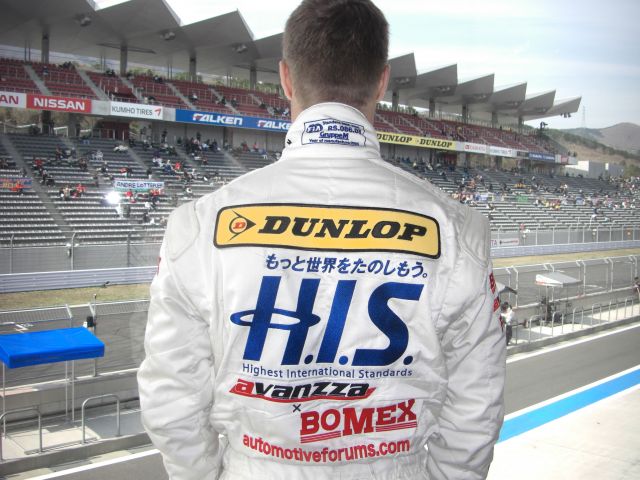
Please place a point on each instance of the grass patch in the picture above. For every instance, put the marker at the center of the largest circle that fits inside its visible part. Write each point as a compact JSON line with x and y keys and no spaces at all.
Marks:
{"x":73,"y":296}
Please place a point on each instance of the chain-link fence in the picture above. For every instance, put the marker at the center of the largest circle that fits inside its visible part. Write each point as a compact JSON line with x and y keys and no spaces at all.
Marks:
{"x":565,"y":235}
{"x":86,"y":257}
{"x":78,"y":257}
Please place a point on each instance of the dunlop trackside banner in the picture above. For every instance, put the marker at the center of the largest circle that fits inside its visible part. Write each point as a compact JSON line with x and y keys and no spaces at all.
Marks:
{"x":415,"y":141}
{"x":333,"y":228}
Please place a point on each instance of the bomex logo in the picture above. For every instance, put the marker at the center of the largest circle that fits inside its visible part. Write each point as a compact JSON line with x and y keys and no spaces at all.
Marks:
{"x":261,"y":320}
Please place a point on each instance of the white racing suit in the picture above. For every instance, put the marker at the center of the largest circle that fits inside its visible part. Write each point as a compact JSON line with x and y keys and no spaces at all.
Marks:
{"x":324,"y":317}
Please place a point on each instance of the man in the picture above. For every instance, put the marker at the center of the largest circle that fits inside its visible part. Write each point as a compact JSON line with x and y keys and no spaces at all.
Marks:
{"x":329,"y":315}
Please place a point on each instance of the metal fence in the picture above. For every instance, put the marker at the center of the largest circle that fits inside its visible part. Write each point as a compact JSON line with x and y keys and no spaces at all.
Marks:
{"x":122,"y":325}
{"x":77,"y":257}
{"x":595,"y":276}
{"x":566,"y":235}
{"x":86,"y":257}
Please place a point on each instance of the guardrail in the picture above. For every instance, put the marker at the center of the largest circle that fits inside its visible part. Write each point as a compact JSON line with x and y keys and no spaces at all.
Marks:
{"x":22,"y":282}
{"x":99,"y":397}
{"x":20,"y":410}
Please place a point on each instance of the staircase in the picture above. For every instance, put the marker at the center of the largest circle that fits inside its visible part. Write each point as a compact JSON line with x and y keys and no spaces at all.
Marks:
{"x":228,"y":104}
{"x":179,"y":94}
{"x":36,"y":79}
{"x":133,"y":88}
{"x":94,"y":88}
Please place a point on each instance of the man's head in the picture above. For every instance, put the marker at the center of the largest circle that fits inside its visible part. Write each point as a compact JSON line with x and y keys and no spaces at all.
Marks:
{"x":335,"y":51}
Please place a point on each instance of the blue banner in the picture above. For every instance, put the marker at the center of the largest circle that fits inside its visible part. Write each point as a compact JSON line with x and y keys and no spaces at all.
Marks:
{"x":236,"y":121}
{"x":544,"y":157}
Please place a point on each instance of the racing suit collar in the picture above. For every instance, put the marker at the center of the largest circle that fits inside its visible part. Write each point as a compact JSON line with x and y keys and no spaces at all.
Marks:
{"x":328,"y":128}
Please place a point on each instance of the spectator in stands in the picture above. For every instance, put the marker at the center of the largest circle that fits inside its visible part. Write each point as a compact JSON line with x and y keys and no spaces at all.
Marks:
{"x":193,"y":97}
{"x":82,"y":164}
{"x":157,"y":159}
{"x":214,"y":146}
{"x":163,"y":137}
{"x":222,"y":101}
{"x":98,"y":155}
{"x":58,"y":153}
{"x":149,"y":173}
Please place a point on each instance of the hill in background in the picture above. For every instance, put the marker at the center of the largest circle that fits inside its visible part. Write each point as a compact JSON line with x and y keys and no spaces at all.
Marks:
{"x":623,"y":136}
{"x":589,"y":144}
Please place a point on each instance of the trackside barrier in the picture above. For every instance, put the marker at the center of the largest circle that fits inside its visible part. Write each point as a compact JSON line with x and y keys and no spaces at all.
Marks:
{"x":24,"y":282}
{"x":20,"y":410}
{"x":99,"y":397}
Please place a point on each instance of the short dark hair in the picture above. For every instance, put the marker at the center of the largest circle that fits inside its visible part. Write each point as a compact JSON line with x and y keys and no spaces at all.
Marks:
{"x":336,"y":50}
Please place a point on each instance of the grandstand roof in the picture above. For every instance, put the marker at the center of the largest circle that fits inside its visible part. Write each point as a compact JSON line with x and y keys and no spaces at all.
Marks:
{"x":154,"y":35}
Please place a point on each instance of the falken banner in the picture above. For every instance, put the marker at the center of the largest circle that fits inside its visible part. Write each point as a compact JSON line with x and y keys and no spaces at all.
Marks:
{"x":236,"y":121}
{"x":415,"y":141}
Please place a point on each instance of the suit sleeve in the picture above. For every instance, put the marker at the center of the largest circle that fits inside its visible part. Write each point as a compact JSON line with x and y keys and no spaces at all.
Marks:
{"x":474,"y":350}
{"x":175,"y":380}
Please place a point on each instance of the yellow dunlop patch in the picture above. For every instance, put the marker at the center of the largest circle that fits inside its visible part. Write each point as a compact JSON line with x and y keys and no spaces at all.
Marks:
{"x":324,"y":228}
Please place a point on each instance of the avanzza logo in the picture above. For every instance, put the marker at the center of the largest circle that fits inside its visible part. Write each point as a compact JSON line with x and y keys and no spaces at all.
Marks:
{"x":327,"y":228}
{"x":302,"y":393}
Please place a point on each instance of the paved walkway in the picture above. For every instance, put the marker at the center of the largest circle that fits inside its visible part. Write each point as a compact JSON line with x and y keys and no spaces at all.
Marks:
{"x":600,"y":442}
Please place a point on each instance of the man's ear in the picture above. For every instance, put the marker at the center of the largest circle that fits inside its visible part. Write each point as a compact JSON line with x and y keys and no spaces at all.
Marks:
{"x":383,"y":83}
{"x":285,"y":79}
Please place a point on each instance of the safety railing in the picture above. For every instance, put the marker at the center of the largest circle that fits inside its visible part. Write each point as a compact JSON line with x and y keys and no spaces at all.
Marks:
{"x":537,"y":327}
{"x":100,"y":397}
{"x":20,"y":410}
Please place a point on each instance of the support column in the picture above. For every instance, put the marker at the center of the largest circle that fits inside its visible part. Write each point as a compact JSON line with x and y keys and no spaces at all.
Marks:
{"x":124,"y":54}
{"x":253,"y":77}
{"x":395,"y":100}
{"x":520,"y":124}
{"x":193,"y":75}
{"x":432,"y":107}
{"x":494,"y":119}
{"x":465,"y":113}
{"x":44,"y":56}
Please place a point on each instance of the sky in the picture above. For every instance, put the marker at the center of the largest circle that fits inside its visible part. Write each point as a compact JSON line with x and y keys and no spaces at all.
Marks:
{"x":588,"y":48}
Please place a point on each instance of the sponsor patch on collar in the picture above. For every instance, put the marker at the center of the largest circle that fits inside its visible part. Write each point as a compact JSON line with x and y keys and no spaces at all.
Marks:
{"x":328,"y":228}
{"x":334,"y":132}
